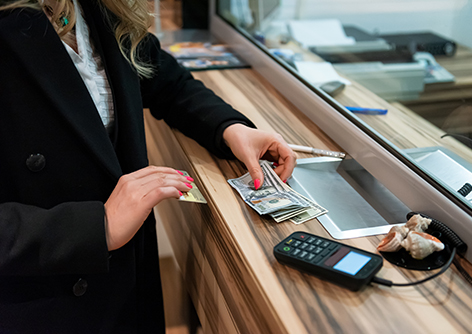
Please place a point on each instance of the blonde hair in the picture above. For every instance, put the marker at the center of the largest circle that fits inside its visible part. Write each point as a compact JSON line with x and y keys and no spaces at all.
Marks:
{"x":131,"y":27}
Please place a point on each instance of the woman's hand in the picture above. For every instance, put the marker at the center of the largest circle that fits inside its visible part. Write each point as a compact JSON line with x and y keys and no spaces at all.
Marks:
{"x":250,"y":145}
{"x":134,"y":197}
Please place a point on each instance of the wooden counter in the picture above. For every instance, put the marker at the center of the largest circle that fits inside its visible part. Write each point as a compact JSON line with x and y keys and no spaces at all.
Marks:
{"x":224,"y":249}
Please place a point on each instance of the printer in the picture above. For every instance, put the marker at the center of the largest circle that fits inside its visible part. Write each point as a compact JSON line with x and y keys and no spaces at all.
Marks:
{"x":390,"y":70}
{"x":393,"y":74}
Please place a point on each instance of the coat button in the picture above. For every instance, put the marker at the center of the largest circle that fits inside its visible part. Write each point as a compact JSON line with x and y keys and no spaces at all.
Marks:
{"x":80,"y":287}
{"x":36,"y":162}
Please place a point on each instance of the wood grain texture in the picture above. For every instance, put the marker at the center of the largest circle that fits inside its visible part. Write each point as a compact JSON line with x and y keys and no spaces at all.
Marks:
{"x":224,"y":249}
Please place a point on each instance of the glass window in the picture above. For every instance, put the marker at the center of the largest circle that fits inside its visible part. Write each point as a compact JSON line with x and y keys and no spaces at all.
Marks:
{"x":401,"y":70}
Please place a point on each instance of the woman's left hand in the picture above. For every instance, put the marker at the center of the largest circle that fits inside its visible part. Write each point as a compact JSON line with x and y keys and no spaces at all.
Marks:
{"x":250,"y":145}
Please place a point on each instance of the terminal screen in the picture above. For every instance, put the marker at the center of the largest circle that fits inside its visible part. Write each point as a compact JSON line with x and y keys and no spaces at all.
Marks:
{"x":352,"y":263}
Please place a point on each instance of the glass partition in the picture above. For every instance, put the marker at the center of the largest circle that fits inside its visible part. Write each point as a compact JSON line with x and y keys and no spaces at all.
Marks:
{"x":400,"y":70}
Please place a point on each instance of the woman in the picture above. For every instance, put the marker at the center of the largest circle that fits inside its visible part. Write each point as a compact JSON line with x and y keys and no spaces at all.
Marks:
{"x":78,"y":249}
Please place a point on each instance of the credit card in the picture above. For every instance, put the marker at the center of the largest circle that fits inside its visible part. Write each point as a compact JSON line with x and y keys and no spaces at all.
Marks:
{"x":193,"y":195}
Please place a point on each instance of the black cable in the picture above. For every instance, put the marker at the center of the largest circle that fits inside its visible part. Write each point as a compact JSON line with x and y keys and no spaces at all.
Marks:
{"x":463,"y":139}
{"x":385,"y":282}
{"x":461,"y":270}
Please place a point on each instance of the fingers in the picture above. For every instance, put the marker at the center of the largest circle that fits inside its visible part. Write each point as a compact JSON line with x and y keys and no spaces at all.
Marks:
{"x":255,"y":171}
{"x":150,"y":185}
{"x":134,"y":197}
{"x":249,"y":145}
{"x":289,"y":159}
{"x":153,"y":173}
{"x":153,"y":170}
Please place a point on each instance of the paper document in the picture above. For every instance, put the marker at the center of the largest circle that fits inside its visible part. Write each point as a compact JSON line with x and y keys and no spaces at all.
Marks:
{"x":319,"y":73}
{"x":319,"y":33}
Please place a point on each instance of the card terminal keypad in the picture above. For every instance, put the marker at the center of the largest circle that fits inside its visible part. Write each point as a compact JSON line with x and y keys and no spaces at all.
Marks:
{"x":309,"y":248}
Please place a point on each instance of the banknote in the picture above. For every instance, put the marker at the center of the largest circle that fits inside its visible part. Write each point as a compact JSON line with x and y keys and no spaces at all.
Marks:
{"x":309,"y":208}
{"x":275,"y":197}
{"x":286,"y":214}
{"x":267,"y":199}
{"x":193,"y":195}
{"x":306,"y":215}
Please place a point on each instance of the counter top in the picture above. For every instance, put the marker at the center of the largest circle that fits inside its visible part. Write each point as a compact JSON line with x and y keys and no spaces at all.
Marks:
{"x":224,"y":248}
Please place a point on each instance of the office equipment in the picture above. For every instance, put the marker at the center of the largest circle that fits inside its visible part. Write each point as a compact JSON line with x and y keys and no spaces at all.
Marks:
{"x":364,"y":42}
{"x":434,"y":73}
{"x":392,"y":81}
{"x":391,"y":74}
{"x":319,"y":73}
{"x":383,"y":56}
{"x":347,"y":266}
{"x":319,"y":33}
{"x":422,"y":41}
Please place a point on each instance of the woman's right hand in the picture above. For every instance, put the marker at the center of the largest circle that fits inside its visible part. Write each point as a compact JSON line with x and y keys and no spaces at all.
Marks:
{"x":133,"y":198}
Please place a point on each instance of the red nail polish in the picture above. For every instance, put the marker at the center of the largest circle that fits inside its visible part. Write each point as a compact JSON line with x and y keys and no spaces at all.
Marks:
{"x":275,"y":164}
{"x":285,"y":181}
{"x":189,"y":185}
{"x":178,"y":171}
{"x":189,"y":178}
{"x":257,"y":183}
{"x":180,"y":193}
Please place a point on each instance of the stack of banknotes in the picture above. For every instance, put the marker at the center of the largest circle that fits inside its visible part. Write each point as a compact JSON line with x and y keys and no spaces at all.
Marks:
{"x":275,"y":198}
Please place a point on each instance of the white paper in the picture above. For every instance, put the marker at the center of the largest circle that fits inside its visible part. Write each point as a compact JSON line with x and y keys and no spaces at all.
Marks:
{"x":319,"y":73}
{"x":319,"y":33}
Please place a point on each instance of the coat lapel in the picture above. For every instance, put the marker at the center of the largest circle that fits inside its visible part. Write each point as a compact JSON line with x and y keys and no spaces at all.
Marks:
{"x":39,"y":47}
{"x":129,"y":138}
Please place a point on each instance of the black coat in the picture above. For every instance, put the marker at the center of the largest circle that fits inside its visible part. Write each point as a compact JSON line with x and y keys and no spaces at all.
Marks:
{"x":58,"y":166}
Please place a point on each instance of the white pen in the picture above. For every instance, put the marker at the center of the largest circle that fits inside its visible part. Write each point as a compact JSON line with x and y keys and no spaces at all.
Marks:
{"x":307,"y":149}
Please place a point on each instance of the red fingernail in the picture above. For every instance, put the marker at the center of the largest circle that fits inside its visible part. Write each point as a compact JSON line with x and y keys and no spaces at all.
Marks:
{"x":257,"y":183}
{"x":285,"y":181}
{"x":189,"y":185}
{"x":180,"y":193}
{"x":275,"y":164}
{"x":178,"y":171}
{"x":189,"y":178}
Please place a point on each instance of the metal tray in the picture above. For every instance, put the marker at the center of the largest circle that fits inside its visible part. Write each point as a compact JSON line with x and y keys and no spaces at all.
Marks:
{"x":358,"y":204}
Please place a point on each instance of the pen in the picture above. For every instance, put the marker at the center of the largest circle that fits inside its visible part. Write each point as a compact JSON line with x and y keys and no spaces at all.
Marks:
{"x":366,"y":111}
{"x":307,"y":149}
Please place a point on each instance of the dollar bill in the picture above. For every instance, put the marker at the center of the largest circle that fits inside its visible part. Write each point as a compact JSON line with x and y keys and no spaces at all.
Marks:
{"x":264,"y":200}
{"x":275,"y":197}
{"x":306,"y":216}
{"x":310,"y":209}
{"x":287,"y":214}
